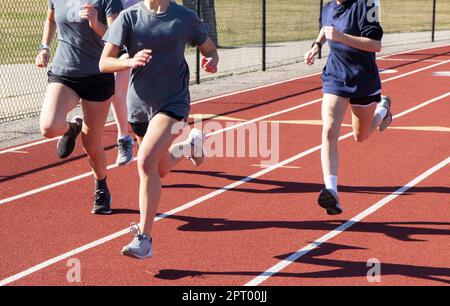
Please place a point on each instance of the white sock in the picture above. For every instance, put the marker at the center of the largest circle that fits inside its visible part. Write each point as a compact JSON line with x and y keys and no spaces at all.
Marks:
{"x":331,"y":182}
{"x":380,"y":113}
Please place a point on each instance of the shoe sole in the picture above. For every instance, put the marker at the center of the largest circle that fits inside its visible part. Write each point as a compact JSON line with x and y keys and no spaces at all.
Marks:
{"x":197,"y":161}
{"x":103,"y":212}
{"x":131,"y":254}
{"x":386,"y":122}
{"x":329,"y":203}
{"x":126,"y":163}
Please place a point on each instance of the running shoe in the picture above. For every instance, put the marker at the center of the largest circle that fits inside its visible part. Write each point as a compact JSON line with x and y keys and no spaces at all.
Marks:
{"x":387,"y":120}
{"x":125,"y":150}
{"x":102,"y":202}
{"x":196,"y":138}
{"x":141,"y":247}
{"x":330,"y":201}
{"x":66,"y":144}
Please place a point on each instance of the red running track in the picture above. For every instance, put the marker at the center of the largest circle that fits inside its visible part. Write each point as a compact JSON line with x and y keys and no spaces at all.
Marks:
{"x":231,"y":237}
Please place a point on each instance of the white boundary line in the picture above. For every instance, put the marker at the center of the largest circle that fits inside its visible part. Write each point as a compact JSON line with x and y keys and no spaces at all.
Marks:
{"x":87,"y":174}
{"x":221,"y":96}
{"x":414,"y":50}
{"x":410,"y":60}
{"x":31,"y":144}
{"x":47,"y":187}
{"x":190,"y":204}
{"x":442,"y":74}
{"x":305,"y":250}
{"x":255,"y":88}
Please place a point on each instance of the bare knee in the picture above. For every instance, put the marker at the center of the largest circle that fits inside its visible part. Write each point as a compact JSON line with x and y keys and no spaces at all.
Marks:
{"x":51,"y":130}
{"x":359,"y":136}
{"x":147,"y":164}
{"x":163,"y":172}
{"x":91,"y":143}
{"x":330,"y":133}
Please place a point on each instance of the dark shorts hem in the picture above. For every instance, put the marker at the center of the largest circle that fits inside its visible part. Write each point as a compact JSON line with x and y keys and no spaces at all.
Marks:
{"x":365,"y":101}
{"x":96,"y":88}
{"x":140,"y":128}
{"x":362,"y":101}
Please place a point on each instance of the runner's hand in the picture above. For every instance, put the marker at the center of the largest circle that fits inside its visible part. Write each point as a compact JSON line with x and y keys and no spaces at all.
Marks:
{"x":332,"y":34}
{"x":140,"y":59}
{"x":209,"y":64}
{"x":43,"y":58}
{"x":90,"y":13}
{"x":310,"y":55}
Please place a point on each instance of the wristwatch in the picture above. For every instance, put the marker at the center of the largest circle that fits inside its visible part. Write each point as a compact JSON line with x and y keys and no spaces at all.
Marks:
{"x":318,"y":44}
{"x":43,"y":46}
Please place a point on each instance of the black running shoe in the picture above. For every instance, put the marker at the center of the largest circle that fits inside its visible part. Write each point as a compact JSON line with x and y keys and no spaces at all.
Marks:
{"x":329,"y":201}
{"x":66,"y":143}
{"x":102,"y":202}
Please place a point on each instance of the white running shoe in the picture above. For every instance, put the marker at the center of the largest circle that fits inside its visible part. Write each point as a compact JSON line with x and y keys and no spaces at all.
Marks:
{"x":387,"y":120}
{"x":196,"y":139}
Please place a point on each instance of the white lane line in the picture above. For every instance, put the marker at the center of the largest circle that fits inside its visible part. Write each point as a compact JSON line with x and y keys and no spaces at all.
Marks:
{"x":221,"y":96}
{"x":372,"y":209}
{"x":410,"y":60}
{"x":181,"y":208}
{"x":12,"y":149}
{"x":414,"y":50}
{"x":87,"y":174}
{"x":416,"y":71}
{"x":37,"y":190}
{"x":255,"y":88}
{"x":442,"y":73}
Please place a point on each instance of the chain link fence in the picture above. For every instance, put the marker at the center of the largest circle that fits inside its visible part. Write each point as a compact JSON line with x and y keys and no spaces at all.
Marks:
{"x":252,"y":35}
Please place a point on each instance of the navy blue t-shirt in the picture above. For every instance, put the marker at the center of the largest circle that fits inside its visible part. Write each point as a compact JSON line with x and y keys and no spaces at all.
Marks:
{"x":350,"y":72}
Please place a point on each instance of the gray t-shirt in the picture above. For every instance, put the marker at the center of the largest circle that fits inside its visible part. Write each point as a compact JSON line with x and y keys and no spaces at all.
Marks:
{"x":163,"y":84}
{"x":79,"y":46}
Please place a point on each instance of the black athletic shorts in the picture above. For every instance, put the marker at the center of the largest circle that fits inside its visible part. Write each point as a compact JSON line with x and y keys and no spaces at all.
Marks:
{"x":140,"y":128}
{"x":97,"y":88}
{"x":365,"y":101}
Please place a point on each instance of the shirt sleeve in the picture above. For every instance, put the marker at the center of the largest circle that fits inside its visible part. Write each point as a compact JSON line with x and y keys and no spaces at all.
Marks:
{"x":51,"y":5}
{"x":369,"y":23}
{"x":199,"y":32}
{"x":113,"y":7}
{"x":117,"y":34}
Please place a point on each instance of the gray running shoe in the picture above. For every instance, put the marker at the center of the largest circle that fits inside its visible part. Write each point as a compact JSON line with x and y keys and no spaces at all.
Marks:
{"x":141,"y":246}
{"x":125,"y":150}
{"x":196,"y":138}
{"x":66,"y":144}
{"x":387,"y":120}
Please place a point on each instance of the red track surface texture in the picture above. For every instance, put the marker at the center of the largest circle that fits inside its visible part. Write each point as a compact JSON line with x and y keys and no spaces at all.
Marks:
{"x":231,"y":235}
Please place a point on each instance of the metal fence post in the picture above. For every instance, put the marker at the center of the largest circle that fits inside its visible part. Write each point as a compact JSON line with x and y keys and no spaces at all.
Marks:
{"x":197,"y":71}
{"x":433,"y":27}
{"x":264,"y":34}
{"x":320,"y":25}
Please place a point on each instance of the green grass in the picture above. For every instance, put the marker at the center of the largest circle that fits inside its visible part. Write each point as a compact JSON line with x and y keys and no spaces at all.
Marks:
{"x":238,"y":22}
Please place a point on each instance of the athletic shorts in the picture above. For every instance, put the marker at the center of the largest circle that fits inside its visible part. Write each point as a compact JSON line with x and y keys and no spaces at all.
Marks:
{"x":365,"y":101}
{"x":140,"y":128}
{"x":97,"y":88}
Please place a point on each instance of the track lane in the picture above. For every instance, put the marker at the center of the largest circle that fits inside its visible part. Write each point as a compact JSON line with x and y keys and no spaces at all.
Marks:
{"x":238,"y":166}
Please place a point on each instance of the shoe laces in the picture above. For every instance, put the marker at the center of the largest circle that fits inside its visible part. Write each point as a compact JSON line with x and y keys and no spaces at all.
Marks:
{"x":99,"y":195}
{"x":135,"y":230}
